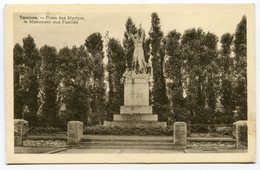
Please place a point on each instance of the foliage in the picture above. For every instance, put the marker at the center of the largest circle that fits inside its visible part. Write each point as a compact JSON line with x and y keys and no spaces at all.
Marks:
{"x":212,"y":85}
{"x":49,"y":84}
{"x":43,"y":130}
{"x":26,"y":79}
{"x":240,"y":51}
{"x":73,"y":91}
{"x":77,"y":104}
{"x":116,"y":67}
{"x":19,"y":90}
{"x":94,"y":44}
{"x":142,"y":131}
{"x":32,"y":62}
{"x":160,"y":100}
{"x":173,"y":72}
{"x":128,"y":43}
{"x":227,"y":78}
{"x":199,"y":50}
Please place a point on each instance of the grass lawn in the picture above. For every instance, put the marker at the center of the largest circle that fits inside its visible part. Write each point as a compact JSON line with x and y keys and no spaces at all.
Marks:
{"x":29,"y":150}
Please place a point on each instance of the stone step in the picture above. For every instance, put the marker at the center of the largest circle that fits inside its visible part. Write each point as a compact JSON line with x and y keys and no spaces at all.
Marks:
{"x":125,"y":142}
{"x":123,"y":147}
{"x":135,"y":117}
{"x":127,"y":138}
{"x":145,"y":109}
{"x":133,"y":124}
{"x":114,"y":138}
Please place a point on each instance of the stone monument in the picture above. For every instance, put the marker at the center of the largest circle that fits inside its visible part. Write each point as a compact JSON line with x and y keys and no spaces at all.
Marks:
{"x":136,"y":111}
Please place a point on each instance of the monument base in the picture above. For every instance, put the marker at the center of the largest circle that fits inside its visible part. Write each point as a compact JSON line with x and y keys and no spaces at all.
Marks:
{"x":136,"y":109}
{"x":135,"y":117}
{"x":135,"y":124}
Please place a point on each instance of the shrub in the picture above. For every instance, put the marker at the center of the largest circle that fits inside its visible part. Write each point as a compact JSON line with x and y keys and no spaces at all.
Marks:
{"x":141,"y":131}
{"x":46,"y":130}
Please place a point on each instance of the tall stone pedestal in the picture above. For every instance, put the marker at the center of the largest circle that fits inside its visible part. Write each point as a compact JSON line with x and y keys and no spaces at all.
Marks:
{"x":136,"y":111}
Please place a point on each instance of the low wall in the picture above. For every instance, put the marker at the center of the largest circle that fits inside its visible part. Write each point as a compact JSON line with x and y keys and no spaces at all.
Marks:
{"x":212,"y":145}
{"x":45,"y":141}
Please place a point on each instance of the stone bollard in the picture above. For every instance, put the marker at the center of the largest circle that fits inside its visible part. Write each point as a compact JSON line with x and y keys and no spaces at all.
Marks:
{"x":20,"y":131}
{"x":75,"y":132}
{"x":180,"y":134}
{"x":240,"y":132}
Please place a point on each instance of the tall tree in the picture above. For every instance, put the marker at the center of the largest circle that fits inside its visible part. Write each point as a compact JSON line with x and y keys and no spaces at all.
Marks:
{"x":198,"y":50}
{"x":49,"y":84}
{"x":160,"y":101}
{"x":66,"y":88}
{"x":19,"y":89}
{"x":173,"y":72}
{"x":212,"y":80}
{"x":227,"y":78}
{"x":240,"y":50}
{"x":128,"y":43}
{"x":83,"y":85}
{"x":116,"y":67}
{"x":73,"y":91}
{"x":32,"y":63}
{"x":94,"y":44}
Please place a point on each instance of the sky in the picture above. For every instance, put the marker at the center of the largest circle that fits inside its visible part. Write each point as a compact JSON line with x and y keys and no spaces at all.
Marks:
{"x":215,"y":19}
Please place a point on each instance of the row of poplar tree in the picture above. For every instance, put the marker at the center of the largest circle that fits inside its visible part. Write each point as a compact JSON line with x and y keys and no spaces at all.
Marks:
{"x":194,"y":80}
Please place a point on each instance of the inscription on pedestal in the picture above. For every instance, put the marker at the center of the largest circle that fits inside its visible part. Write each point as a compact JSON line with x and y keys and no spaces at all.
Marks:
{"x":136,"y":95}
{"x":136,"y":92}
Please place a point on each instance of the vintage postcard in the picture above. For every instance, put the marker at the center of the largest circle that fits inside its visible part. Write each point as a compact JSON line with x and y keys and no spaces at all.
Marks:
{"x":147,"y":83}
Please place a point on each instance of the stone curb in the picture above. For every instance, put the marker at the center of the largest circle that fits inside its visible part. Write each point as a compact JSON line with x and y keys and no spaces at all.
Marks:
{"x":56,"y":151}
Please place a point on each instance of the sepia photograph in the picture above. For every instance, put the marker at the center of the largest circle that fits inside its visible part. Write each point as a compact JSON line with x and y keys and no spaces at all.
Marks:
{"x":130,"y":83}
